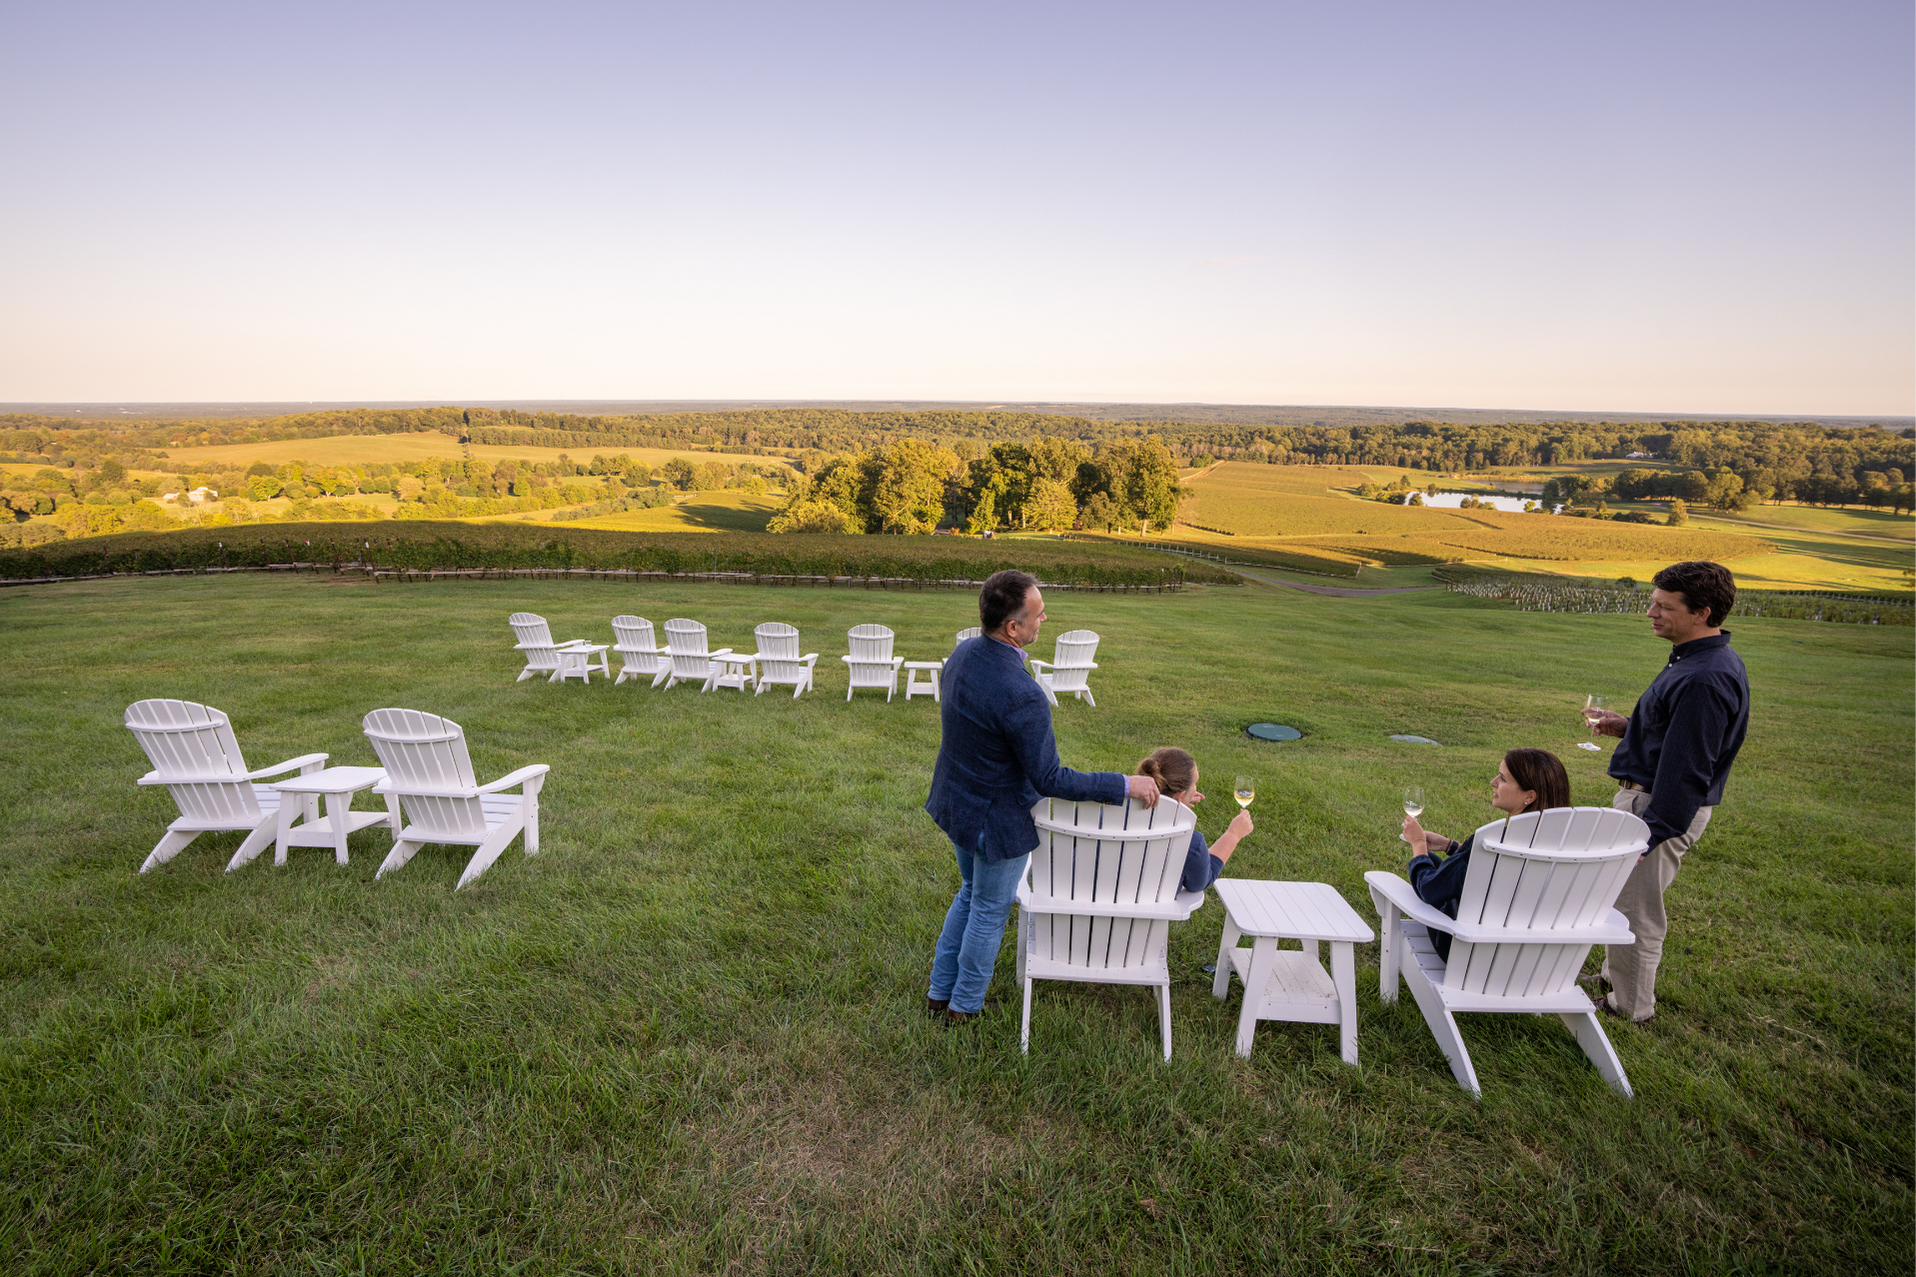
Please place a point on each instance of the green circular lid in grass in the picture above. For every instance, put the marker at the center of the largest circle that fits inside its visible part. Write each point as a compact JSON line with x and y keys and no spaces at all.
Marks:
{"x":1272,"y":731}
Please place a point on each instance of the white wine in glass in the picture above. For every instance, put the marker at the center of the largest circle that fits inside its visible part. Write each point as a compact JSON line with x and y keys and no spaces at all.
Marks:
{"x":1244,"y":791}
{"x":1592,"y":709}
{"x":1413,"y":805}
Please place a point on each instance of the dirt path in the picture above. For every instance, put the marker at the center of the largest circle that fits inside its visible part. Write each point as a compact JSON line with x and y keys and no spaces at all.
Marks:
{"x":1336,"y":591}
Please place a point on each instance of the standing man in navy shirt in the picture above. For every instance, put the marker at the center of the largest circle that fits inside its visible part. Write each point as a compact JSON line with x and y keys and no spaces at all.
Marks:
{"x":997,"y":758}
{"x":1676,"y":753}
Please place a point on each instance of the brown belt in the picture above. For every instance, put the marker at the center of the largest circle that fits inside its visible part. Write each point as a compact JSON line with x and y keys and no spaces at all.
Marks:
{"x":1631,"y":784}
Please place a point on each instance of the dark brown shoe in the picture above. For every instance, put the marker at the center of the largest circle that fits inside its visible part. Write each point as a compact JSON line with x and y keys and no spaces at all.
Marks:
{"x":953,"y":1018}
{"x":1603,"y":1005}
{"x":936,"y":1006}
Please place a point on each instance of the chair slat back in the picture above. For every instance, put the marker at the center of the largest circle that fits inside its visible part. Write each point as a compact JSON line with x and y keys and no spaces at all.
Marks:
{"x":684,"y":638}
{"x":193,"y":750}
{"x":1075,"y":647}
{"x":1540,"y":872}
{"x":686,"y":647}
{"x":971,"y":633}
{"x":186,"y":739}
{"x":425,"y":757}
{"x":534,"y":639}
{"x":1099,"y":853}
{"x":869,"y":642}
{"x":634,"y":634}
{"x":777,"y":641}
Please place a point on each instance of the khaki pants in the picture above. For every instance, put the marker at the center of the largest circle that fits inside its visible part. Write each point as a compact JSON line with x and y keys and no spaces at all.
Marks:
{"x":1632,"y":969}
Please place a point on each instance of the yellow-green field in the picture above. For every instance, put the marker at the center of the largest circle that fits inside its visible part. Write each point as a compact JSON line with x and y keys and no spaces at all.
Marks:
{"x":1282,"y":504}
{"x":339,"y":450}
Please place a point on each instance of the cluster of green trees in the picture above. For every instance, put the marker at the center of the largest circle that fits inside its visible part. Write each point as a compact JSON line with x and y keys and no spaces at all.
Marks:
{"x":1725,"y":489}
{"x":1049,"y":485}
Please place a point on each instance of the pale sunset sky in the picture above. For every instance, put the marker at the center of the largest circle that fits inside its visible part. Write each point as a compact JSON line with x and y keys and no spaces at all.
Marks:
{"x":1659,"y":207}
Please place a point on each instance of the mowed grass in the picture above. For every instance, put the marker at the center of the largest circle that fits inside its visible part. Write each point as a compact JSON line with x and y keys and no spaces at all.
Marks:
{"x":686,"y":1038}
{"x":339,"y":450}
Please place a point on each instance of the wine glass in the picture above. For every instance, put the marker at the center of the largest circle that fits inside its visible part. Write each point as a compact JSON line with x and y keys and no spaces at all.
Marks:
{"x":1592,"y":708}
{"x":1244,"y":790}
{"x":1413,"y":805}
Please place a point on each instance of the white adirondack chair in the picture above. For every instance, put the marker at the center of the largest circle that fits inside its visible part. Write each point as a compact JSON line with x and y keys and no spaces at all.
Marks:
{"x":641,"y":652}
{"x":691,"y":662}
{"x":194,"y":754}
{"x":779,"y":661}
{"x":1069,"y":667}
{"x":1537,"y":894}
{"x":1099,"y":897}
{"x":429,"y":782}
{"x":973,"y":632}
{"x":870,"y":662}
{"x":570,"y":659}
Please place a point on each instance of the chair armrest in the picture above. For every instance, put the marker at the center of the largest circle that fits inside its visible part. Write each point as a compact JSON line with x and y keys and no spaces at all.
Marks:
{"x":1178,"y":910}
{"x":305,"y":763}
{"x":723,"y":651}
{"x":1613,"y":928}
{"x":810,"y":658}
{"x":520,"y":777}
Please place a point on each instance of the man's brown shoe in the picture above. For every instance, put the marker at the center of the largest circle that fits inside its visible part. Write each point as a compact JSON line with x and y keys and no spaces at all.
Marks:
{"x":936,"y":1006}
{"x":1603,"y":1005}
{"x":953,"y":1018}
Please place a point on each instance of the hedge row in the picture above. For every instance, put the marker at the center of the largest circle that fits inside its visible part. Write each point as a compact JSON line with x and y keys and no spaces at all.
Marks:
{"x":425,"y":545}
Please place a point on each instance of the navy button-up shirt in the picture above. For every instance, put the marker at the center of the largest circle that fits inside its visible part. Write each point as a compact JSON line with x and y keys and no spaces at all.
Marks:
{"x":1685,"y":732}
{"x":998,"y":757}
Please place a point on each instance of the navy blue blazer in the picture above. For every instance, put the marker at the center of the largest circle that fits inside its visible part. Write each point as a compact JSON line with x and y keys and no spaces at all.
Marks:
{"x":998,"y":757}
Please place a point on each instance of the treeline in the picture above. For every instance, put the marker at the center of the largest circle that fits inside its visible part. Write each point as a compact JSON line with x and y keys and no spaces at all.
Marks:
{"x":1730,"y":489}
{"x":1050,"y":485}
{"x":813,"y":436}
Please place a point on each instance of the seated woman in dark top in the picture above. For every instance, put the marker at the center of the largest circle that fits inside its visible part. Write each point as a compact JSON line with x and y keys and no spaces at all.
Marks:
{"x":1176,"y":773}
{"x":1526,"y":780}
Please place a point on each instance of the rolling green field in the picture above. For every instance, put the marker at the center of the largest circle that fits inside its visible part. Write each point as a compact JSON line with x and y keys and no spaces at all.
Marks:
{"x":686,"y":1038}
{"x":1273,"y":508}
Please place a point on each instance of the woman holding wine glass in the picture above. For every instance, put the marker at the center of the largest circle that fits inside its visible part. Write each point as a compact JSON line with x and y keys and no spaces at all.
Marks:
{"x":1176,"y":773}
{"x":1526,"y":780}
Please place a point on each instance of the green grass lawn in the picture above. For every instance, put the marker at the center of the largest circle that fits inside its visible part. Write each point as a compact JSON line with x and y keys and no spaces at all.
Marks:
{"x":687,"y":1037}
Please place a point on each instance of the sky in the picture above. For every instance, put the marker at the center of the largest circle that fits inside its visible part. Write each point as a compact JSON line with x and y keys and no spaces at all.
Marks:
{"x":1659,"y":207}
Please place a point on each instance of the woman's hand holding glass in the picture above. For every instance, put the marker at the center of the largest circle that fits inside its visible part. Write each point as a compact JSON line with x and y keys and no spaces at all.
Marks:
{"x":1419,"y":839}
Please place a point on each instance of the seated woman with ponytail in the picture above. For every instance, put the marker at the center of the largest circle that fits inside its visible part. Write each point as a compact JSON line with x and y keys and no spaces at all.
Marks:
{"x":1526,"y":780}
{"x":1176,"y":773}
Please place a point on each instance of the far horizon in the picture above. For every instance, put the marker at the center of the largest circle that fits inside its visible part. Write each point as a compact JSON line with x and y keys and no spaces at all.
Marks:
{"x":1109,"y":410}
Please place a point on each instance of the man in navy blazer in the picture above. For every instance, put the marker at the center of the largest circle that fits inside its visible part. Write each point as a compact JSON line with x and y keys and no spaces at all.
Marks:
{"x":997,"y":758}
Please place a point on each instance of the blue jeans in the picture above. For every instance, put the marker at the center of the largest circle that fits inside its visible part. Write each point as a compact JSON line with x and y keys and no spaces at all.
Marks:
{"x":974,"y":928}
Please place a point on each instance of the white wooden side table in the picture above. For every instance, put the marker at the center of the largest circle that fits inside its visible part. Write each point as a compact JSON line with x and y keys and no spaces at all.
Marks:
{"x":575,"y":661}
{"x":733,"y":669}
{"x":915,"y":688}
{"x":1290,"y":984}
{"x":336,"y":785}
